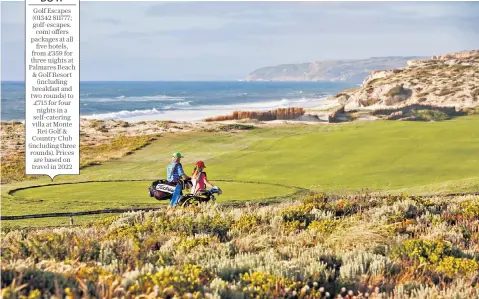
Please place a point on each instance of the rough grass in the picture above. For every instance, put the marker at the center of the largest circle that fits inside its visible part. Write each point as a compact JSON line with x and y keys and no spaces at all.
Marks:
{"x":315,"y":246}
{"x":99,"y":125}
{"x":460,"y":67}
{"x":117,"y":148}
{"x":13,"y":166}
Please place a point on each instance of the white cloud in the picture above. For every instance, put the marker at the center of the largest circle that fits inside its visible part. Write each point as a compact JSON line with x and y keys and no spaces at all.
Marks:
{"x":226,"y":40}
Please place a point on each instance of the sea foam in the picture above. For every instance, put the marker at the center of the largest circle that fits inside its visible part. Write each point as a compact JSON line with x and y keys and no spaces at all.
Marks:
{"x":123,"y":98}
{"x":123,"y":114}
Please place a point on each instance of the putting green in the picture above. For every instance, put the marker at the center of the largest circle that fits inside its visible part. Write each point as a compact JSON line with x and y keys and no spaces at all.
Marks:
{"x":106,"y":195}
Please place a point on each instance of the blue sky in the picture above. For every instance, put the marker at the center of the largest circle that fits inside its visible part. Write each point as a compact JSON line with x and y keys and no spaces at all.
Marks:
{"x":227,"y":40}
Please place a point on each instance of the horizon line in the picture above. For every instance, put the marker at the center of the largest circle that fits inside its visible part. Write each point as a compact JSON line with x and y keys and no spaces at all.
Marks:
{"x":189,"y":81}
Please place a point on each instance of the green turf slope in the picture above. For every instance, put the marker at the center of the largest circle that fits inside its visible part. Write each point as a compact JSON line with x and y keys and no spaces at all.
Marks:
{"x":399,"y":156}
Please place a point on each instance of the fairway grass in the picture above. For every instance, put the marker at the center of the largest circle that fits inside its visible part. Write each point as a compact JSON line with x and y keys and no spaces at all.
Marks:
{"x":387,"y":156}
{"x":110,"y":195}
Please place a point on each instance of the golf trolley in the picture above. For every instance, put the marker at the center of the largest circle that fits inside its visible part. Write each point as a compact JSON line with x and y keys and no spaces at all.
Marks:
{"x":164,"y":190}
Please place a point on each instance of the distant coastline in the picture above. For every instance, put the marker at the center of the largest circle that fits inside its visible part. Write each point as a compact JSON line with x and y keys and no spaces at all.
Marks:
{"x":342,"y":70}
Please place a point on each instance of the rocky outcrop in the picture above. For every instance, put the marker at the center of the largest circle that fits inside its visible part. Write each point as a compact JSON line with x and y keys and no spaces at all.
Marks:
{"x":331,"y":70}
{"x":337,"y":115}
{"x":378,"y":75}
{"x":395,"y":115}
{"x":446,"y":80}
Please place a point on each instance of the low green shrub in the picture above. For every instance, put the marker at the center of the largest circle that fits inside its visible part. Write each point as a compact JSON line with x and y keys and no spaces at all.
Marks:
{"x":232,"y":127}
{"x":429,"y":115}
{"x":422,"y":251}
{"x":470,"y":209}
{"x":185,"y":245}
{"x":173,"y":282}
{"x":434,"y":258}
{"x":325,"y":226}
{"x":263,"y":285}
{"x":246,"y":223}
{"x":452,"y":266}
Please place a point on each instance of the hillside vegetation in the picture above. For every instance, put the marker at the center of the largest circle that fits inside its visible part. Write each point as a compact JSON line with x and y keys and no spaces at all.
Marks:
{"x":315,"y":246}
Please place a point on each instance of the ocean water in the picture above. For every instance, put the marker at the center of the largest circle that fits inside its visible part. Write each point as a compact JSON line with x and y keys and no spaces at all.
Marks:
{"x":134,"y":101}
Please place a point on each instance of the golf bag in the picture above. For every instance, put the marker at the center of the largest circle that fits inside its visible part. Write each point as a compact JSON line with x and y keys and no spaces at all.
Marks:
{"x":163,"y":190}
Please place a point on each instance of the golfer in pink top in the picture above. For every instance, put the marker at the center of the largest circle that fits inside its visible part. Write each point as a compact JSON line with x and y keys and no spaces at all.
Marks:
{"x":198,"y":178}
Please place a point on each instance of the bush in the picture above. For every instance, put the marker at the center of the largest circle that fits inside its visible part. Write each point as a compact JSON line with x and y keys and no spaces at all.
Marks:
{"x":318,"y":199}
{"x":397,"y":94}
{"x":246,"y":223}
{"x":429,"y":115}
{"x":424,"y":251}
{"x":13,"y":169}
{"x":170,"y":282}
{"x":301,"y":213}
{"x":452,"y":266}
{"x":326,"y":226}
{"x":99,"y":125}
{"x":470,"y":209}
{"x":396,"y":90}
{"x":421,"y":100}
{"x":190,"y":252}
{"x":186,"y":245}
{"x":232,"y":127}
{"x":263,"y":285}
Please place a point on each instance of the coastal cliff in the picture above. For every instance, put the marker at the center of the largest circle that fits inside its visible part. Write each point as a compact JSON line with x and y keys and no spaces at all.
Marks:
{"x":450,"y":80}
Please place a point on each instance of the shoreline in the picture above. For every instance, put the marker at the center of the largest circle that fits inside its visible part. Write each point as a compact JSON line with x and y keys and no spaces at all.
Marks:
{"x":200,"y":114}
{"x":191,"y":115}
{"x":195,"y":112}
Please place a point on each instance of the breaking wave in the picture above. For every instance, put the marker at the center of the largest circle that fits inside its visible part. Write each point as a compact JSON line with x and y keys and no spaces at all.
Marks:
{"x":186,"y":107}
{"x":123,"y":114}
{"x":123,"y":98}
